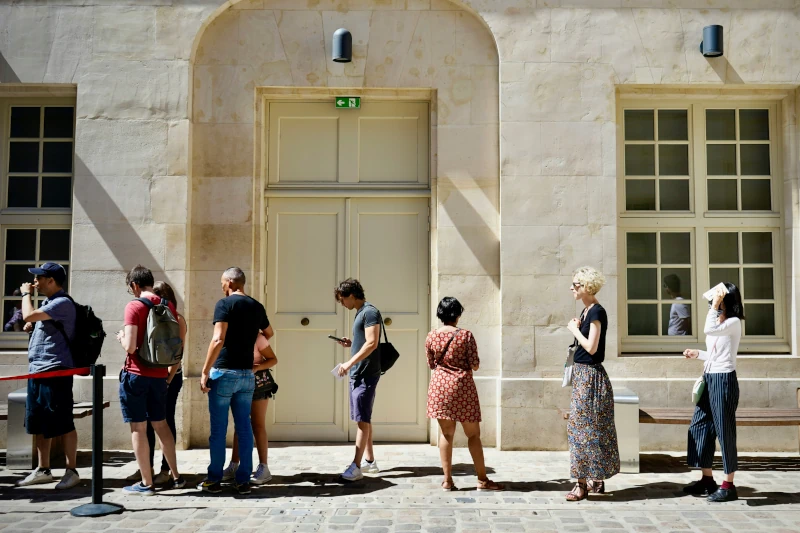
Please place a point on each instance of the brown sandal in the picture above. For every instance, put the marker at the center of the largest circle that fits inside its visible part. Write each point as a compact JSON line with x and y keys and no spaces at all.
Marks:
{"x":448,"y":487}
{"x":575,"y":495}
{"x":596,"y":486}
{"x":488,"y":484}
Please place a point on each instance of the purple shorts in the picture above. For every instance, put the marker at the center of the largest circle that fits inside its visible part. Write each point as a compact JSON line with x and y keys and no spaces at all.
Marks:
{"x":362,"y":398}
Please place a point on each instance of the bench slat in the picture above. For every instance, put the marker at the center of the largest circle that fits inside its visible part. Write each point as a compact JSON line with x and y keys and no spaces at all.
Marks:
{"x":79,"y":410}
{"x":744,"y":417}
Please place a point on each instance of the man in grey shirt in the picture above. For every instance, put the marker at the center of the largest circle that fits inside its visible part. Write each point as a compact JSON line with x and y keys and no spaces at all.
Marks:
{"x":364,"y":367}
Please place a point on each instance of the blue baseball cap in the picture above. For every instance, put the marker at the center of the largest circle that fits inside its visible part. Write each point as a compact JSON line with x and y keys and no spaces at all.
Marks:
{"x":51,"y":270}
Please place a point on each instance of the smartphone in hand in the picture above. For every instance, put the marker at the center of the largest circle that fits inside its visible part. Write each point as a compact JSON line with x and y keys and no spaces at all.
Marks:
{"x":334,"y":337}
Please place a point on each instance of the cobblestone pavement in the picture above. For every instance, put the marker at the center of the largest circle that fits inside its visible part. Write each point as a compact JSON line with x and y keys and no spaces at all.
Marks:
{"x":305,"y":495}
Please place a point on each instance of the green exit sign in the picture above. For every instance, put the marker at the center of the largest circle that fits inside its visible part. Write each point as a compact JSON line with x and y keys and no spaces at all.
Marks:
{"x":348,"y":102}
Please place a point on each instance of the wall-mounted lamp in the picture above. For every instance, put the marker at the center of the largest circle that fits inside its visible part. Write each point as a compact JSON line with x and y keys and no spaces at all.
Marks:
{"x":711,"y":45}
{"x":342,"y":46}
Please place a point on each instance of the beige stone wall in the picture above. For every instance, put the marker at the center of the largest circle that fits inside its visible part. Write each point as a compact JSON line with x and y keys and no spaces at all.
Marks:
{"x":524,"y":154}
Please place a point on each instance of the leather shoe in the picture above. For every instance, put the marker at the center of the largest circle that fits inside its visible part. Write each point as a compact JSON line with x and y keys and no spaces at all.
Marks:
{"x":701,"y":488}
{"x":724,"y":495}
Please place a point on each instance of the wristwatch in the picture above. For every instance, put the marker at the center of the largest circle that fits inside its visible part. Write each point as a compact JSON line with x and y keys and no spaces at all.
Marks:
{"x":25,"y":294}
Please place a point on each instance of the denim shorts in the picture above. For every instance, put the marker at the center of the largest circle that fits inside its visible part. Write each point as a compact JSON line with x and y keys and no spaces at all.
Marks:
{"x":362,"y":398}
{"x":48,"y":407}
{"x":142,"y":398}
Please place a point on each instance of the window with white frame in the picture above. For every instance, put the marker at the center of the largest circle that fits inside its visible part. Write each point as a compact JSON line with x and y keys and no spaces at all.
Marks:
{"x":699,"y":201}
{"x":36,"y":158}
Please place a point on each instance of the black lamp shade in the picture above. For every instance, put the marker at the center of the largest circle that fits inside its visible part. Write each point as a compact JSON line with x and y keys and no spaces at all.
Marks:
{"x":711,"y":45}
{"x":342,"y":46}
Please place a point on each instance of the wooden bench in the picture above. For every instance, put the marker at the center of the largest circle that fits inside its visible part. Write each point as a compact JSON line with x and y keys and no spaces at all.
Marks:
{"x":79,"y":410}
{"x":744,"y":416}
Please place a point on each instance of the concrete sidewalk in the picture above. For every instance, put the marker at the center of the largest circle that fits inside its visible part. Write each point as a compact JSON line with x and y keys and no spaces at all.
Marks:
{"x":306,"y":495}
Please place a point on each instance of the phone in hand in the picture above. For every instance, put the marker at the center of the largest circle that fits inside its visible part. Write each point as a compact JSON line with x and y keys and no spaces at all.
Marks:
{"x":334,"y":337}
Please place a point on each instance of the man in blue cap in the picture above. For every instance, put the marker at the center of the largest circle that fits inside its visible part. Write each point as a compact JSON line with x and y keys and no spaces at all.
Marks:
{"x":48,"y":409}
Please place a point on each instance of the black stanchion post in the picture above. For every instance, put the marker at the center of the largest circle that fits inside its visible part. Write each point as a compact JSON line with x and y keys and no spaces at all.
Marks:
{"x":97,"y":507}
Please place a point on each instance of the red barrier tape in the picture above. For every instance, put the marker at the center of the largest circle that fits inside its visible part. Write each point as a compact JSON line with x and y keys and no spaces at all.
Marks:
{"x":52,"y":374}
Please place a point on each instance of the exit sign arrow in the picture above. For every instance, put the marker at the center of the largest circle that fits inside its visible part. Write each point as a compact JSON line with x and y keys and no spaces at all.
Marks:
{"x":348,"y":102}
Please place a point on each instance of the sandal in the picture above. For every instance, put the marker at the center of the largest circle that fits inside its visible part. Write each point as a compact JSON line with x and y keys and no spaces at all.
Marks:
{"x":579,"y":492}
{"x":448,"y":487}
{"x":488,"y":484}
{"x":596,"y":486}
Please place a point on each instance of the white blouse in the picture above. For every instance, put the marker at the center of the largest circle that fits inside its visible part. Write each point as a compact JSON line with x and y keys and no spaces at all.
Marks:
{"x":722,"y":344}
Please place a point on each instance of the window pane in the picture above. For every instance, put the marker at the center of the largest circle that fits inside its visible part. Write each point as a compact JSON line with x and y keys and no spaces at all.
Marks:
{"x":721,"y":124}
{"x":756,"y":195}
{"x":9,"y":307}
{"x":676,"y":318}
{"x":640,"y":160}
{"x":640,"y":195}
{"x":641,"y":248}
{"x":23,"y":157}
{"x":755,"y":159}
{"x":722,"y":195}
{"x":21,"y":245}
{"x":58,"y":122}
{"x":754,"y":124}
{"x":759,"y":319}
{"x":25,"y":122}
{"x":54,"y":245}
{"x":673,"y":160}
{"x":723,"y":248}
{"x":642,"y":319}
{"x":758,"y":284}
{"x":56,"y":192}
{"x":676,"y":283}
{"x":757,"y":247}
{"x":674,"y":195}
{"x":639,"y":125}
{"x":673,"y":125}
{"x":16,"y":275}
{"x":721,"y":159}
{"x":22,"y":191}
{"x":676,"y":248}
{"x":720,"y":275}
{"x":57,"y":157}
{"x":642,"y":283}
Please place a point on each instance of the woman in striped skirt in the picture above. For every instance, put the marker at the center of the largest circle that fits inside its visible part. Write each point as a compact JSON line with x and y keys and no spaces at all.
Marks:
{"x":715,"y":413}
{"x":594,"y":455}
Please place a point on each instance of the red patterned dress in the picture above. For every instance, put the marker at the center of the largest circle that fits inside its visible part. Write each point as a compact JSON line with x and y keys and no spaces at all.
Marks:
{"x":452,"y":394}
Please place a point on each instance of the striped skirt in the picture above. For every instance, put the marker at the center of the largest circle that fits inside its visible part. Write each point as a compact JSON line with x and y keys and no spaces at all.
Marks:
{"x":593,"y":450}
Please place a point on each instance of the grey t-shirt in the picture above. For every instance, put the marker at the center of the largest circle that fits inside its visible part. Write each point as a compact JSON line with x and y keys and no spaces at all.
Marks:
{"x":48,"y":349}
{"x":370,"y":367}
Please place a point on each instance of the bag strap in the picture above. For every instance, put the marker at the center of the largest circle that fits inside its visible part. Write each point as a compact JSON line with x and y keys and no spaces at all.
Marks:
{"x":707,"y":363}
{"x":575,"y":341}
{"x":380,"y":321}
{"x":447,"y":346}
{"x":147,"y":302}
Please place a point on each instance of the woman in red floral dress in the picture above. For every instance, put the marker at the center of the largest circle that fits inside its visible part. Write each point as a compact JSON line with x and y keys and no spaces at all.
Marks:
{"x":452,"y":396}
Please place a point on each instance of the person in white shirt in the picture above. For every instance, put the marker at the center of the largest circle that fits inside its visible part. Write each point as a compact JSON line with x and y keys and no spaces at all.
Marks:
{"x":715,"y":413}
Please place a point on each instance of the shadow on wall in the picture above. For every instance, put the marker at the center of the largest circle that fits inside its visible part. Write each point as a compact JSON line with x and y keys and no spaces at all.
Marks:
{"x":7,"y":75}
{"x":725,"y":71}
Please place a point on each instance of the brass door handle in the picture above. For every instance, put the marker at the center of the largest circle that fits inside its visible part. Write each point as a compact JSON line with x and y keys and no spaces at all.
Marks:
{"x":387,"y":321}
{"x":304,"y":322}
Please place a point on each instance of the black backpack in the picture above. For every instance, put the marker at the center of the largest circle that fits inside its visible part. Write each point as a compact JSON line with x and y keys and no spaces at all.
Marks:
{"x":89,"y":335}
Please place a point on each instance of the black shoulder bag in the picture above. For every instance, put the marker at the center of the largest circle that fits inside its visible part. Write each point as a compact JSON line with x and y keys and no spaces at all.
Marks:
{"x":386,"y":351}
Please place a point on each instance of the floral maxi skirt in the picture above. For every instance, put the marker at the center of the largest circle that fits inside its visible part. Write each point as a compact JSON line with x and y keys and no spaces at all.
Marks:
{"x":593,"y":450}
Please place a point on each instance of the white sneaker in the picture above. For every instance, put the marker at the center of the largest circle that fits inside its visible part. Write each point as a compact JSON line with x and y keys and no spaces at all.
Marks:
{"x":353,"y":473}
{"x":262,"y":475}
{"x":370,"y":468}
{"x":37,"y":477}
{"x":229,"y":474}
{"x":162,"y":478}
{"x":68,"y":480}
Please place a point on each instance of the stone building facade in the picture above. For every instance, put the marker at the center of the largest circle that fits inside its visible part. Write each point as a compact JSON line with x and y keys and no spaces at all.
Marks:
{"x":557,"y":134}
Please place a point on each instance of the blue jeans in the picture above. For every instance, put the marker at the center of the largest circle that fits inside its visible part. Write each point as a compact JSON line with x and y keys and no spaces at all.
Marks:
{"x":230,"y":389}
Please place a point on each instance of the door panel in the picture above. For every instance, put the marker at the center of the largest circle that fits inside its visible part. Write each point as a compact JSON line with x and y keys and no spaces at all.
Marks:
{"x":306,"y":240}
{"x":297,"y":129}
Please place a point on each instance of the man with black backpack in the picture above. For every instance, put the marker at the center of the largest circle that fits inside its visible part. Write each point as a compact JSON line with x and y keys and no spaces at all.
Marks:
{"x":143,"y":382}
{"x":48,"y":406}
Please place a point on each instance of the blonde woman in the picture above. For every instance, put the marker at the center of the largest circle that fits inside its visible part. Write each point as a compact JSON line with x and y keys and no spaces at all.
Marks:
{"x":594,"y":455}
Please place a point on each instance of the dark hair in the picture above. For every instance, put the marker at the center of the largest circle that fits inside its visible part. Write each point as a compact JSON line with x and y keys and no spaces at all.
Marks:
{"x":141,"y":276}
{"x":449,"y":310}
{"x":733,"y":302}
{"x":349,"y":287}
{"x":673,"y":283}
{"x":163,"y":289}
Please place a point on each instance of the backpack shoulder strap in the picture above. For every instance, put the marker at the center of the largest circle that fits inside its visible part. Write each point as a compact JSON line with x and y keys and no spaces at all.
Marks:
{"x":60,"y":327}
{"x":147,"y":302}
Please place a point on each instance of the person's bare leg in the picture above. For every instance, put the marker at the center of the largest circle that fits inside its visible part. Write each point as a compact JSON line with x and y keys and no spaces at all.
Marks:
{"x":729,"y":477}
{"x":473,"y":432}
{"x":43,"y":451}
{"x":447,"y":431}
{"x":362,"y":438}
{"x":369,"y":453}
{"x":258,"y":419}
{"x":167,"y":443}
{"x":235,"y":450}
{"x":707,"y":472}
{"x":141,"y":449}
{"x":71,"y":449}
